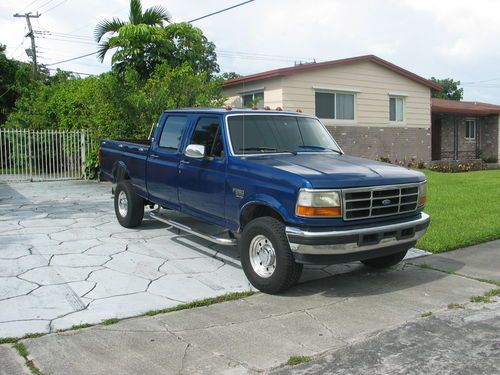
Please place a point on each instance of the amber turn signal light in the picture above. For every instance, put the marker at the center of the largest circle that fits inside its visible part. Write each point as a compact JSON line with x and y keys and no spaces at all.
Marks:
{"x":422,"y":200}
{"x":318,"y":211}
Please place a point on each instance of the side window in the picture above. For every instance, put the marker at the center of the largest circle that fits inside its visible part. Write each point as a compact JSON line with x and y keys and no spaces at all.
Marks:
{"x":208,"y":133}
{"x":172,"y":132}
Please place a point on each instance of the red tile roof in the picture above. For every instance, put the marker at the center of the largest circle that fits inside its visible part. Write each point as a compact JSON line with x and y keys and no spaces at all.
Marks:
{"x":352,"y":60}
{"x":462,"y":107}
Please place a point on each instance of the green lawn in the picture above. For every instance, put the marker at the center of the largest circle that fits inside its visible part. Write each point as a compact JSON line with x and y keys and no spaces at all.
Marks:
{"x":464,"y":209}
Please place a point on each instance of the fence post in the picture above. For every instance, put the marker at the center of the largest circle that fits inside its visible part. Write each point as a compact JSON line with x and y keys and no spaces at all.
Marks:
{"x":29,"y":156}
{"x":83,"y":144}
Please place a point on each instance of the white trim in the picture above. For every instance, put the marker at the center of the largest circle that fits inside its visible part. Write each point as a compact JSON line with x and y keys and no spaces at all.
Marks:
{"x":251,"y":91}
{"x":468,"y":139}
{"x":339,"y":89}
{"x":397,"y":94}
{"x":396,"y":122}
{"x":354,"y":120}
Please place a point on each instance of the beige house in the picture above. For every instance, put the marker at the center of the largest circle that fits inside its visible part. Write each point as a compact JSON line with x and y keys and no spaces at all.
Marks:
{"x":373,"y":108}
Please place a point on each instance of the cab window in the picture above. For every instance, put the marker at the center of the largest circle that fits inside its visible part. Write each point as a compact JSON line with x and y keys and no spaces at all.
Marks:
{"x":208,"y":133}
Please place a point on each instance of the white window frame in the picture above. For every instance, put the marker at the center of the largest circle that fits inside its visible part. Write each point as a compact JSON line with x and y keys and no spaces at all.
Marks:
{"x":403,"y":99}
{"x":467,"y":121}
{"x":334,"y":91}
{"x":253,"y":92}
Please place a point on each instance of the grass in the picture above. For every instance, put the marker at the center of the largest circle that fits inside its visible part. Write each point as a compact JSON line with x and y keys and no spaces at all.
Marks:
{"x":486,"y":297}
{"x":464,"y":209}
{"x":426,"y":314}
{"x":298,"y":359}
{"x":22,"y":350}
{"x":202,"y":302}
{"x":109,"y":322}
{"x":455,"y":306}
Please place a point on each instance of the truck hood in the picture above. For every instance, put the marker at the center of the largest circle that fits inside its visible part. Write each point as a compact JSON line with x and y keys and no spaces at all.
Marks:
{"x":339,"y":171}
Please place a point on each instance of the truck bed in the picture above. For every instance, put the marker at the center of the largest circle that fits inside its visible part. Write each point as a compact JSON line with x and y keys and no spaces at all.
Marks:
{"x":132,"y":153}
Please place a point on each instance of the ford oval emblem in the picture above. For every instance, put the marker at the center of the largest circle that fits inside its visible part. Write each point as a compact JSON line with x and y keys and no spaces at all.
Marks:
{"x":385,"y":202}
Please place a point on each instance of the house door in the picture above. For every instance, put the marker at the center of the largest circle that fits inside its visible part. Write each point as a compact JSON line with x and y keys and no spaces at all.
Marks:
{"x":436,"y":139}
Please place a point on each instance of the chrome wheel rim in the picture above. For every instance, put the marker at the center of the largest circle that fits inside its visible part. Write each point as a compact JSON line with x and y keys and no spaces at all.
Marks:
{"x":262,"y":256}
{"x":122,"y":204}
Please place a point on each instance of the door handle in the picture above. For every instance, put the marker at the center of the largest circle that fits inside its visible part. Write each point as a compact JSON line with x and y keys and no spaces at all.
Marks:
{"x":185,"y":162}
{"x":154,"y":156}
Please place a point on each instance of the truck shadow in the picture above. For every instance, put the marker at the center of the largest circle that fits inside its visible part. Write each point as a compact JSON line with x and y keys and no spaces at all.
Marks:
{"x":364,"y":281}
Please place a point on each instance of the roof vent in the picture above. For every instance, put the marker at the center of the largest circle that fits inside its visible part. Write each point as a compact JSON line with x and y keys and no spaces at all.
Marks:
{"x":279,"y":108}
{"x":229,"y":107}
{"x":298,"y":110}
{"x":254,"y":107}
{"x":267,"y":108}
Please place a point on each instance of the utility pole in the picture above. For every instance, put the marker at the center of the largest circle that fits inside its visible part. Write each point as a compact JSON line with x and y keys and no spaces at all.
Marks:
{"x":28,"y":17}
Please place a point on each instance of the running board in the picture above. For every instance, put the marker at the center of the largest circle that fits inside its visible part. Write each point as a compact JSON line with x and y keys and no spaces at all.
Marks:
{"x":218,"y":240}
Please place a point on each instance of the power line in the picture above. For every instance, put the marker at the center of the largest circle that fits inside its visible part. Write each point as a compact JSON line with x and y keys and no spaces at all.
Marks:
{"x":220,"y":11}
{"x":55,"y":6}
{"x":74,"y":58}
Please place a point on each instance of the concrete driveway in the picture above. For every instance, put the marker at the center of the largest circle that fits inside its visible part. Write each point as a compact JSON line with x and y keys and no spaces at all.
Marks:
{"x":64,"y":260}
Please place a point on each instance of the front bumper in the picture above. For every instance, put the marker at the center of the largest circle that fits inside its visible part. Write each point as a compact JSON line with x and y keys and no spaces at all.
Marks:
{"x":310,"y":246}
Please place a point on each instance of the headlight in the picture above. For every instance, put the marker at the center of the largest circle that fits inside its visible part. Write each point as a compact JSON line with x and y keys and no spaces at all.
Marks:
{"x":422,"y":194}
{"x":324,"y":203}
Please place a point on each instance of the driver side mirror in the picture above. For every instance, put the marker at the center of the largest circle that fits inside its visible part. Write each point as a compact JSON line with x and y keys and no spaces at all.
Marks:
{"x":195,"y":151}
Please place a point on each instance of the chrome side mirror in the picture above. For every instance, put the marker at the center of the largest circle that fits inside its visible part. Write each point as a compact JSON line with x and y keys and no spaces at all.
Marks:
{"x":195,"y":151}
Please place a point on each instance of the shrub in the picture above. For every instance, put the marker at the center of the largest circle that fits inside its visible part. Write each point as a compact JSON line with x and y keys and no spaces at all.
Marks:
{"x":454,"y":167}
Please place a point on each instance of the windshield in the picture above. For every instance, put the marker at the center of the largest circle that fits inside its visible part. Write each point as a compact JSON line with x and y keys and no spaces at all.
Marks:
{"x":251,"y":134}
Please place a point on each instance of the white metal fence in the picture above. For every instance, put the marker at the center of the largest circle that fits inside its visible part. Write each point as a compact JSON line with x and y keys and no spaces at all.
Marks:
{"x":42,"y":155}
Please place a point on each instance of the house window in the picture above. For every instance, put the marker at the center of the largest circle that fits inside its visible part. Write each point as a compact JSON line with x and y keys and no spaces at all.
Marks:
{"x":470,"y":130}
{"x":335,"y":105}
{"x":254,"y":98}
{"x":396,"y":109}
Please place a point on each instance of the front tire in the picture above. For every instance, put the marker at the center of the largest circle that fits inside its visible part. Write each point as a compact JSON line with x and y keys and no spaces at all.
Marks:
{"x":385,"y":261}
{"x":129,"y":207}
{"x":266,"y":257}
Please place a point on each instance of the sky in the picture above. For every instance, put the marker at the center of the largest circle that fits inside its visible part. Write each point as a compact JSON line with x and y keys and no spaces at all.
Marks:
{"x":441,"y":38}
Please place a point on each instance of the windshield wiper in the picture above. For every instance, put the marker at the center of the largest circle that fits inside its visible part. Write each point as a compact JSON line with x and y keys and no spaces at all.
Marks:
{"x":319,"y":148}
{"x":259,"y":149}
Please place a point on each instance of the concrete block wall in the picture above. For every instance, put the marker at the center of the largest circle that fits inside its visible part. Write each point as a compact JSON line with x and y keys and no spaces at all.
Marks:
{"x":395,"y":143}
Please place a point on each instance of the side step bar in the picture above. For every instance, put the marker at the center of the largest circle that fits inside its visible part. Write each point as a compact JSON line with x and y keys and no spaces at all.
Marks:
{"x":218,"y":240}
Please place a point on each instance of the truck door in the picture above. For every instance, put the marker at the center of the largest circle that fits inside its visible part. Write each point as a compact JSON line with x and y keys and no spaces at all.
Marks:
{"x":163,"y":161}
{"x":202,"y":181}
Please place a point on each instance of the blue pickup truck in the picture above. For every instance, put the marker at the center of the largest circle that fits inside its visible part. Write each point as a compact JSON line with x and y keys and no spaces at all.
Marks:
{"x":277,"y":184}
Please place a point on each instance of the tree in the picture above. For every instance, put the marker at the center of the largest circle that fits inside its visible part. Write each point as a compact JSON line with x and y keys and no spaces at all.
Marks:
{"x":154,"y":16}
{"x":450,"y":89}
{"x":229,"y":75}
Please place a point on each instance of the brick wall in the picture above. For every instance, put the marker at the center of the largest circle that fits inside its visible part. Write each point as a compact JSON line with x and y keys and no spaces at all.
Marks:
{"x":390,"y":142}
{"x":488,"y":136}
{"x":487,"y":132}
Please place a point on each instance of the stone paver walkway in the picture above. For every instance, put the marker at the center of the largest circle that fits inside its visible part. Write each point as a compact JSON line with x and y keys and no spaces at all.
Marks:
{"x":64,"y":261}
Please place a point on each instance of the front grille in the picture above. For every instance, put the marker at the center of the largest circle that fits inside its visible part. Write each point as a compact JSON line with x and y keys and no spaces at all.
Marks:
{"x":362,"y":203}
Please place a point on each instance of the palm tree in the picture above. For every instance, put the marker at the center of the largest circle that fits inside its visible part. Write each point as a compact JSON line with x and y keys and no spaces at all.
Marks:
{"x":154,"y":16}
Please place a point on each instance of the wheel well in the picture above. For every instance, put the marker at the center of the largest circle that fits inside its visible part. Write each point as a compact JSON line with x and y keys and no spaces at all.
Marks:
{"x":121,"y":174}
{"x":258,"y":210}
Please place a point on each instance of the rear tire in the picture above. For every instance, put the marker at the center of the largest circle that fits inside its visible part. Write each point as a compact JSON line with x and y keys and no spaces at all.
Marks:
{"x":385,"y":261}
{"x":266,"y":257}
{"x":129,"y":207}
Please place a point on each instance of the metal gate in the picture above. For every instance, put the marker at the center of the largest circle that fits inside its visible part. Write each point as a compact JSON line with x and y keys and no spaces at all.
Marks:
{"x":43,"y":155}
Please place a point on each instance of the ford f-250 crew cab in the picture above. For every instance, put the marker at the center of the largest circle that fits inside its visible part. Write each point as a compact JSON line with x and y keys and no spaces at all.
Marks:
{"x":279,"y":185}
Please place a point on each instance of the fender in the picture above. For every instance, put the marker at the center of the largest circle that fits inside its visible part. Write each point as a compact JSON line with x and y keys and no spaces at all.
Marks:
{"x":266,"y":200}
{"x":117,"y":166}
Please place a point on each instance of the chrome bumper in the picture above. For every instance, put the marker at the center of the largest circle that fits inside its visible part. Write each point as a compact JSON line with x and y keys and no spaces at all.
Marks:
{"x":338,"y":242}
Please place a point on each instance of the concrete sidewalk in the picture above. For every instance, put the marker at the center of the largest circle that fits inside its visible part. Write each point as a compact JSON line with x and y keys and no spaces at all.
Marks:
{"x":260,"y":333}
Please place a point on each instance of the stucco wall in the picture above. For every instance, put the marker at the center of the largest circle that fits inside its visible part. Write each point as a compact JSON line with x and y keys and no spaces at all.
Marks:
{"x":372,"y":84}
{"x":273,"y":92}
